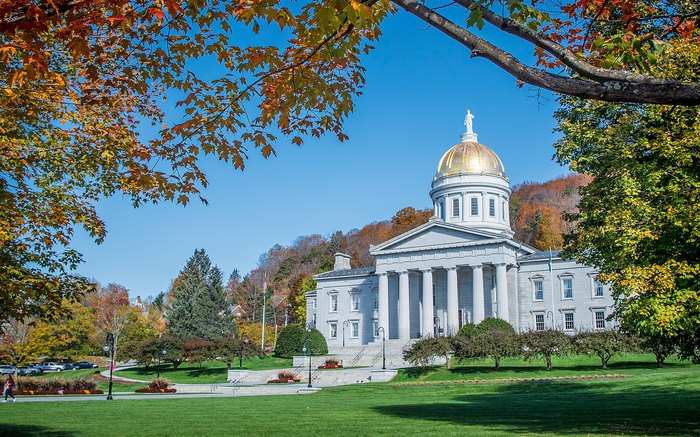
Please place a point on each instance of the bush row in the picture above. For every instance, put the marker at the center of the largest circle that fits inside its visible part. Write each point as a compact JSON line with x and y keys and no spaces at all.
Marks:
{"x":54,"y":384}
{"x":496,"y":338}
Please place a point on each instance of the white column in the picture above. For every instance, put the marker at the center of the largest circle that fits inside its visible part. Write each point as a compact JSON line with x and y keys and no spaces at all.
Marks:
{"x":502,"y":291}
{"x":428,"y":304}
{"x":404,"y":307}
{"x":452,"y":301}
{"x":383,"y":318}
{"x":484,"y":206}
{"x":478,"y":292}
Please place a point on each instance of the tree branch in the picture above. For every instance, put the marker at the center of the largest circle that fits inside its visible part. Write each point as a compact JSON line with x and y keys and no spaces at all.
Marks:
{"x":649,"y":90}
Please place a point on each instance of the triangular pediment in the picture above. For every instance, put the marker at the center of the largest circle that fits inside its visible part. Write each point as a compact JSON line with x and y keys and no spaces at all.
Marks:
{"x":433,"y":235}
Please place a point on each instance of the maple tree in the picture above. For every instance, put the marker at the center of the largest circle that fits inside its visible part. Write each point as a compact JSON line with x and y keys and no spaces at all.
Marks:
{"x":639,"y":219}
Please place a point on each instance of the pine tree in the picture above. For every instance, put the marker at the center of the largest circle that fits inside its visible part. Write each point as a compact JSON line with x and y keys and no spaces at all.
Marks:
{"x":198,"y":306}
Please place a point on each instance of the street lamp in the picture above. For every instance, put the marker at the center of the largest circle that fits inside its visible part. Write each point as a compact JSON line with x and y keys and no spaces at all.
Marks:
{"x":345,"y":323}
{"x":240,"y":357}
{"x":162,"y":352}
{"x":307,"y":348}
{"x":381,"y":328}
{"x":436,"y":322}
{"x":109,"y":347}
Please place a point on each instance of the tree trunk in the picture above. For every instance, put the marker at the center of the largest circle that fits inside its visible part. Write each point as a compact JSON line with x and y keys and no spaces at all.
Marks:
{"x":548,"y":359}
{"x":659,"y":359}
{"x":498,"y":362}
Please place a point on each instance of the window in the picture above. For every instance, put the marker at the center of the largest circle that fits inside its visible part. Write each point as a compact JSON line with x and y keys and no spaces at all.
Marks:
{"x":333,"y":330}
{"x":599,"y":319}
{"x":313,"y":303}
{"x":334,"y":303}
{"x":598,"y":290}
{"x":376,"y":300}
{"x":492,"y":207}
{"x":442,"y":210}
{"x":568,"y":285}
{"x":375,"y":328}
{"x":568,"y":321}
{"x":354,"y":301}
{"x":503,"y":209}
{"x":475,"y":206}
{"x":314,"y":319}
{"x":354,"y":329}
{"x":455,"y":207}
{"x":539,"y":289}
{"x":539,"y":322}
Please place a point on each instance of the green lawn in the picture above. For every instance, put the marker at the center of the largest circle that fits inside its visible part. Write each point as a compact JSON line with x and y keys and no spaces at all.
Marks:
{"x":648,"y":403}
{"x":517,"y":368}
{"x":208,"y":373}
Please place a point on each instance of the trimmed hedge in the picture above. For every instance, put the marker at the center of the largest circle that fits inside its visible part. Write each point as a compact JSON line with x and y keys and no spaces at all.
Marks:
{"x":290,"y":342}
{"x":54,"y":385}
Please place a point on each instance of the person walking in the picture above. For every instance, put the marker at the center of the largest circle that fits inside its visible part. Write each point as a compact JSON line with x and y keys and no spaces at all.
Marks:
{"x":9,"y":386}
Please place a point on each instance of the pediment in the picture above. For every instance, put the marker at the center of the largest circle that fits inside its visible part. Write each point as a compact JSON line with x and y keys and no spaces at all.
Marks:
{"x":434,"y":235}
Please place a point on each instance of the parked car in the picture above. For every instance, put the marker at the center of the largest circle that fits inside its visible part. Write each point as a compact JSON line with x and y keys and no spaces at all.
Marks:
{"x":29,"y":370}
{"x":85,"y":365}
{"x":7,"y":370}
{"x":51,"y":366}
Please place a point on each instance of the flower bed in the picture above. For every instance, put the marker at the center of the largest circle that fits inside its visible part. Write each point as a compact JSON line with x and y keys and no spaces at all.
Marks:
{"x":58,"y":392}
{"x":283,"y":381}
{"x":155,"y":390}
{"x":332,"y":363}
{"x":337,"y":366}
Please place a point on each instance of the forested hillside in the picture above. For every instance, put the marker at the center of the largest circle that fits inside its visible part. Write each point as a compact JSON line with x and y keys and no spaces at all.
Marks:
{"x":536,"y":218}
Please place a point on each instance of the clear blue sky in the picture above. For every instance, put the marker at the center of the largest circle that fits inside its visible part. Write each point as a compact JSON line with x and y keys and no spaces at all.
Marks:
{"x":419,"y":87}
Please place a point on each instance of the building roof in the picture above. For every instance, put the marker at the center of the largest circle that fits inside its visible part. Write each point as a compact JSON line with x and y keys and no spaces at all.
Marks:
{"x":537,"y":256}
{"x":363,"y":271}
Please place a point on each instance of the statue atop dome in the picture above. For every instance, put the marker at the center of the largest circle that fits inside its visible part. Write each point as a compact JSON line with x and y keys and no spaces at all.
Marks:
{"x":469,"y":136}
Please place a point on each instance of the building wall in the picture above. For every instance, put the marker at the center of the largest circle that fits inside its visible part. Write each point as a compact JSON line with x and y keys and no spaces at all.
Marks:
{"x":583,"y":304}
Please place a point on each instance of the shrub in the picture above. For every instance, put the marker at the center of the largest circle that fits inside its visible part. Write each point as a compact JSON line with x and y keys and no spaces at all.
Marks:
{"x":286,"y":375}
{"x":198,"y":350}
{"x":159,"y":384}
{"x":492,"y":337}
{"x":54,"y":384}
{"x":466,"y":330}
{"x":317,"y":342}
{"x":544,"y":343}
{"x":422,"y":351}
{"x":332,"y":362}
{"x":290,"y":341}
{"x":604,"y":344}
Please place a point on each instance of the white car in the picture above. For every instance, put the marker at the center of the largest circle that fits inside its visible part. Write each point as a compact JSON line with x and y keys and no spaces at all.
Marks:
{"x":7,"y":370}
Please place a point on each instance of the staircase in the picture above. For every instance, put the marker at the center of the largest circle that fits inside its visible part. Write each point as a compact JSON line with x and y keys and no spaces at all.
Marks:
{"x":370,"y":355}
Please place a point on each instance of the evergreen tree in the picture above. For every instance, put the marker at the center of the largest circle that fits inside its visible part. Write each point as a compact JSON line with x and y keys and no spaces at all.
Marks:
{"x":198,"y":306}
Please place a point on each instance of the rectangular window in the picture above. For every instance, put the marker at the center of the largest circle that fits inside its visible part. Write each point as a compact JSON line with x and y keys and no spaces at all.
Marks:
{"x":314,"y":320}
{"x":568,"y":321}
{"x":568,"y":284}
{"x":313,"y":303}
{"x":539,"y":322}
{"x":333,"y":330}
{"x":475,"y":206}
{"x":539,"y":290}
{"x":455,"y":207}
{"x":442,"y":210}
{"x":375,"y":328}
{"x":334,"y":303}
{"x":597,"y":288}
{"x":376,"y":301}
{"x":492,"y":207}
{"x":600,"y":320}
{"x":503,"y":209}
{"x":354,"y":302}
{"x":354,"y":329}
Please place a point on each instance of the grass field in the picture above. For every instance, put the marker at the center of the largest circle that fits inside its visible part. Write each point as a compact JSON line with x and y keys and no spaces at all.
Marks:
{"x":209,"y":372}
{"x":653,"y":403}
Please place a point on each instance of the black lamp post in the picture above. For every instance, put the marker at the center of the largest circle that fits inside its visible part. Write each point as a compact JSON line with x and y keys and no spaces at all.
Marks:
{"x":109,"y":347}
{"x":240,"y":357}
{"x":163,"y":351}
{"x":381,"y":328}
{"x":307,"y":348}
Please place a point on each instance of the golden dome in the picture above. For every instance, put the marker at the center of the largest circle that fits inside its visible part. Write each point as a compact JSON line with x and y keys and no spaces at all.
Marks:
{"x":470,"y":157}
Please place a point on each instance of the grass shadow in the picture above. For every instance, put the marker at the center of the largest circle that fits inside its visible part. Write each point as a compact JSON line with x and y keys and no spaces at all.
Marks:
{"x":31,"y":430}
{"x":569,"y":408}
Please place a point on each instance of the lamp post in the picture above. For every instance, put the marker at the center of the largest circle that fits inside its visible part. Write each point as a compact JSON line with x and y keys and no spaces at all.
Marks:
{"x":307,"y":348}
{"x":162,"y":352}
{"x":381,"y":328}
{"x":345,"y":323}
{"x":240,"y":357}
{"x":436,"y":321}
{"x":109,"y":347}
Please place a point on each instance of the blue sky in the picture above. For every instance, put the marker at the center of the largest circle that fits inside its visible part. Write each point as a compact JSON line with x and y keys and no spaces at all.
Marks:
{"x":419,"y":87}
